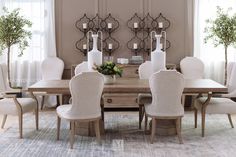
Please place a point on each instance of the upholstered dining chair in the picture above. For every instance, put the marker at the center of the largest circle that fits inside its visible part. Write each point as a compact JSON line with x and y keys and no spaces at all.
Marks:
{"x":219,"y":105}
{"x":10,"y":105}
{"x":144,"y":71}
{"x":231,"y":81}
{"x":82,"y":67}
{"x":52,"y":69}
{"x":166,"y":87}
{"x":191,"y":68}
{"x":4,"y":85}
{"x":86,"y":90}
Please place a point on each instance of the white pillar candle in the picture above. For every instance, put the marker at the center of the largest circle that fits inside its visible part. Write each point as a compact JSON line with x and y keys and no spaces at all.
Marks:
{"x":135,"y":46}
{"x":160,"y":25}
{"x":84,"y":25}
{"x":161,"y":46}
{"x":135,"y":25}
{"x":110,"y":46}
{"x":109,"y":25}
{"x":84,"y":46}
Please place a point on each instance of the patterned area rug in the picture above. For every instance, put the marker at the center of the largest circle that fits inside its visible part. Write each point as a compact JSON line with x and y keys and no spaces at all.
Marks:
{"x":122,"y":138}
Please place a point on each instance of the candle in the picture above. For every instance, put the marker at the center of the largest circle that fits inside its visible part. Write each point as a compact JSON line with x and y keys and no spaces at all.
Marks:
{"x":135,"y":46}
{"x":135,"y":25}
{"x":84,"y":46}
{"x":109,"y":25}
{"x":110,"y":46}
{"x":161,"y":46}
{"x":84,"y":25}
{"x":160,"y":25}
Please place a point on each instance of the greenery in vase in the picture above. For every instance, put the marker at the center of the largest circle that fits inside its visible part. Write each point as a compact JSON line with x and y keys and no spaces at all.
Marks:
{"x":109,"y":68}
{"x":13,"y":31}
{"x":222,"y":31}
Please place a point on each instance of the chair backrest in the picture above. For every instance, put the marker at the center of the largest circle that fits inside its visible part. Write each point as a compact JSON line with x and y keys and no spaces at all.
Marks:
{"x":86,"y":91}
{"x":192,"y":68}
{"x":167,"y":88}
{"x":52,"y":68}
{"x":231,"y":79}
{"x":145,"y":70}
{"x":82,"y":67}
{"x":4,"y":85}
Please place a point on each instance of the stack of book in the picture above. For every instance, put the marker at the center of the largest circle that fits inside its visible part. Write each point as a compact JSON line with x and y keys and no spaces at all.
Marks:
{"x":136,"y":60}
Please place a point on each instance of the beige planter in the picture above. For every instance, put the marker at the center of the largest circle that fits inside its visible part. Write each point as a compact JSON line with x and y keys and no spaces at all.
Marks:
{"x":109,"y":79}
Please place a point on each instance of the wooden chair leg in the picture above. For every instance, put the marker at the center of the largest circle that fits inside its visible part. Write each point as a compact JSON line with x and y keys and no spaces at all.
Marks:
{"x":97,"y":131}
{"x":183,"y":99}
{"x":195,"y":118}
{"x":37,"y":118}
{"x":102,"y":111}
{"x":4,"y":120}
{"x":58,"y":127}
{"x":140,"y":115}
{"x":72,"y":134}
{"x":42,"y":102}
{"x":230,"y":120}
{"x":203,"y":121}
{"x":60,"y":99}
{"x":145,"y":125}
{"x":178,"y":129}
{"x":153,"y":129}
{"x":21,"y":124}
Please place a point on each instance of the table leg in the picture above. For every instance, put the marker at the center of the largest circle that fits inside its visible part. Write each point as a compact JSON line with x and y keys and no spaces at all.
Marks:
{"x":204,"y":105}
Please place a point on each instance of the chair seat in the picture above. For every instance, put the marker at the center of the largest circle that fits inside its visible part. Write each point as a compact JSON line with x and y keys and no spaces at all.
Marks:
{"x":151,"y":111}
{"x":8,"y":106}
{"x":144,"y":98}
{"x":217,"y":105}
{"x":64,"y":112}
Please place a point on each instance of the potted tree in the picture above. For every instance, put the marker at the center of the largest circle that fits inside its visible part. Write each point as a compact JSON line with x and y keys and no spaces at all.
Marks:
{"x":13,"y":31}
{"x":222,"y":31}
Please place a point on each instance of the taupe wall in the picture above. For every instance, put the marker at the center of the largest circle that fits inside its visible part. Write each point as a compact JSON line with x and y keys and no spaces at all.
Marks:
{"x":179,"y":12}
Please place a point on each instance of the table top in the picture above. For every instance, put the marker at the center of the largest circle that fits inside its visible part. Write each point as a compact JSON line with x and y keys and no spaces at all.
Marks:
{"x":129,"y":85}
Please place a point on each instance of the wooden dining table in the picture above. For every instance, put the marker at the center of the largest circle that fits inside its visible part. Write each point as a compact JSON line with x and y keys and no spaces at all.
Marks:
{"x":135,"y":85}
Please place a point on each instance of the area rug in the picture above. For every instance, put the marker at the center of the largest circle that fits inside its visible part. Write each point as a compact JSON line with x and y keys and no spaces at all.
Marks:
{"x":122,"y":139}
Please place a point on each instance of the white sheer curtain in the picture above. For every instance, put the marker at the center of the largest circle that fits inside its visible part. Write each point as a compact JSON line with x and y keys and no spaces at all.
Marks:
{"x":26,"y":69}
{"x":213,"y":57}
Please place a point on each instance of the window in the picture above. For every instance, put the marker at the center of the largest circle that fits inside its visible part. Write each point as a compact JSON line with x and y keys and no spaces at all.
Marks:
{"x":213,"y":57}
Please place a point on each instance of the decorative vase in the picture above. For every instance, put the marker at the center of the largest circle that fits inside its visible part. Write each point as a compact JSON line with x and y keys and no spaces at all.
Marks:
{"x":94,"y":56}
{"x":158,"y":57}
{"x":109,"y":79}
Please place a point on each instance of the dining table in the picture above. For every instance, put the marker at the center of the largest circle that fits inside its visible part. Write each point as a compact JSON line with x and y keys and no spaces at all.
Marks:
{"x":206,"y":87}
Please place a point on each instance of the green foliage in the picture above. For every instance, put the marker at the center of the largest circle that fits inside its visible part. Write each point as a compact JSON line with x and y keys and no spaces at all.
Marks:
{"x":221,"y":30}
{"x":13,"y":31}
{"x":109,"y":68}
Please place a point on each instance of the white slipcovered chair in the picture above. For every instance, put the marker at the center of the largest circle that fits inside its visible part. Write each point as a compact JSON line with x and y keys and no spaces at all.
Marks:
{"x":4,"y":85}
{"x":86,"y":90}
{"x":52,"y":69}
{"x":191,"y":68}
{"x":144,"y":71}
{"x":10,"y":105}
{"x":82,"y":67}
{"x":166,"y":88}
{"x":220,"y":105}
{"x":231,"y":78}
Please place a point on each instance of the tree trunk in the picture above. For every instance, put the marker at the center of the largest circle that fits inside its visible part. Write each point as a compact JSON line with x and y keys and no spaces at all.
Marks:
{"x":8,"y":66}
{"x":226,"y":64}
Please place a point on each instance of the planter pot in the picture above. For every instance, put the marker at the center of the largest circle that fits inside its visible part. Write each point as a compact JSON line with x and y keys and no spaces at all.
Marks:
{"x":109,"y":79}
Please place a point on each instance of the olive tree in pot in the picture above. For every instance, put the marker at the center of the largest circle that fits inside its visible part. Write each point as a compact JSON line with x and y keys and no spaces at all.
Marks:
{"x":222,"y":31}
{"x":13,"y":31}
